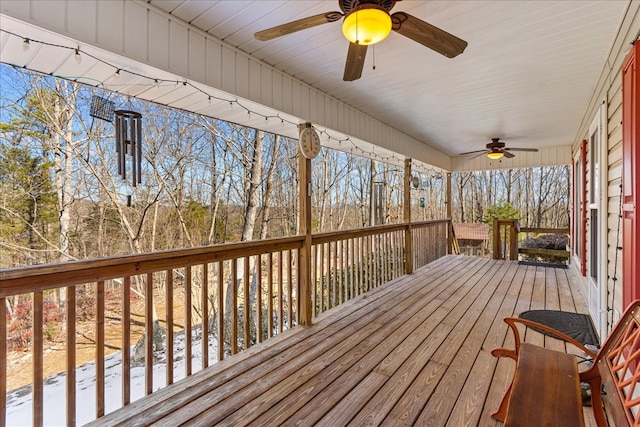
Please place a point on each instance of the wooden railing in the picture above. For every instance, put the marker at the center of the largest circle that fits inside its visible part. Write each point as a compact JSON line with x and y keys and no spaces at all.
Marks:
{"x":562,"y":254}
{"x":424,"y":235}
{"x":199,"y":305}
{"x":507,"y":236}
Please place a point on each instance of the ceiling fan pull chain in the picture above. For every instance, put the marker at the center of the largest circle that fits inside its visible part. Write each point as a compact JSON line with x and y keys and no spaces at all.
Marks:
{"x":374,"y":56}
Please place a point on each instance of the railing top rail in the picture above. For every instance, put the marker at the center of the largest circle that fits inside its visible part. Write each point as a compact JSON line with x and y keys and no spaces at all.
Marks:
{"x":429,"y":222}
{"x":332,"y":236}
{"x":544,"y":230}
{"x":20,"y":280}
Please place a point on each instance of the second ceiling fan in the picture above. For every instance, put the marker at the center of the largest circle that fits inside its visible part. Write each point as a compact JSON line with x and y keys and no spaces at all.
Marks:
{"x":496,"y":149}
{"x":367,"y":22}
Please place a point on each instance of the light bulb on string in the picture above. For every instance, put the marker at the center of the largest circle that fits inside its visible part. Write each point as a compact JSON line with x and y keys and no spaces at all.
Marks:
{"x":77,"y":56}
{"x":26,"y":45}
{"x":116,"y":75}
{"x":156,"y":83}
{"x":209,"y":100}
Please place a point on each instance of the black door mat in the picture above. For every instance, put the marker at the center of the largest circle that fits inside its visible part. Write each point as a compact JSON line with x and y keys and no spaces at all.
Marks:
{"x":577,"y":326}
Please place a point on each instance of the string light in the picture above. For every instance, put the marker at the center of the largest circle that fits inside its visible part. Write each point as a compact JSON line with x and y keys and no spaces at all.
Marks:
{"x":340,"y":142}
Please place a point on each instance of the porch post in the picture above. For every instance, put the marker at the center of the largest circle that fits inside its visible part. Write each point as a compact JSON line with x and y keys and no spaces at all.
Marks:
{"x":304,"y":273}
{"x":408,"y":238}
{"x":449,"y":234}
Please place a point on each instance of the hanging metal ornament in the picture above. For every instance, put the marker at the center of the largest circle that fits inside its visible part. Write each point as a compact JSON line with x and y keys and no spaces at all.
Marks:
{"x":129,"y":141}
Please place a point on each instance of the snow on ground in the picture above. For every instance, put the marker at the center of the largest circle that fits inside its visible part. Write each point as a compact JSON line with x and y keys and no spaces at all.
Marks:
{"x":19,"y":401}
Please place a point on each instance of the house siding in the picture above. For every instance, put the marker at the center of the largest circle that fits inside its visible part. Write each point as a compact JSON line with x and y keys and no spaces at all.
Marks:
{"x":609,"y":90}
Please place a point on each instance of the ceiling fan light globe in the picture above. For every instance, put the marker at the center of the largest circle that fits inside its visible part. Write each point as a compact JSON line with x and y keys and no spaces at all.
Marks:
{"x":366,"y":25}
{"x":495,"y":155}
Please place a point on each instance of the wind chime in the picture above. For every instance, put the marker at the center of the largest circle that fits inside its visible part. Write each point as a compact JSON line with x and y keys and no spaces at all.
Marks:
{"x":129,"y":141}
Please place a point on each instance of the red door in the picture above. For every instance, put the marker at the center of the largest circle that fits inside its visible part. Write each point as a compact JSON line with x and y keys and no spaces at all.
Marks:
{"x":630,"y":179}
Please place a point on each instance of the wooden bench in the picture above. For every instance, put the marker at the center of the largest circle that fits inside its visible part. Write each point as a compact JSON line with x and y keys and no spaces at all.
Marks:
{"x":546,"y":383}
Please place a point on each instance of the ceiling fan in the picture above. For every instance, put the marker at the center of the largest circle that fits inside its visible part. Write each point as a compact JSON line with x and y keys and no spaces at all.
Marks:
{"x":367,"y":22}
{"x":496,"y":149}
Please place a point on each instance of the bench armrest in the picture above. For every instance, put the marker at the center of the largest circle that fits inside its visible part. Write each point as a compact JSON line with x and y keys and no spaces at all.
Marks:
{"x":513,"y":321}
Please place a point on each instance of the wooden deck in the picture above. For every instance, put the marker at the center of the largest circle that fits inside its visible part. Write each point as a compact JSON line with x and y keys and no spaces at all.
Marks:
{"x":415,"y":351}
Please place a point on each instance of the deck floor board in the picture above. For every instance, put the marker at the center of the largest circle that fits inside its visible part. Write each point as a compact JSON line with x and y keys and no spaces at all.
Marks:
{"x":415,"y":351}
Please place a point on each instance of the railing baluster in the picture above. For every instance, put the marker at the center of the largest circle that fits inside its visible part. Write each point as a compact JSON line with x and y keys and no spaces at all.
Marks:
{"x":290,"y":288}
{"x":352,"y":245}
{"x":258,"y":270}
{"x":295,"y":254}
{"x":399,"y":252}
{"x":321,"y":261}
{"x":71,"y":356}
{"x":126,"y":341}
{"x":314,"y":265}
{"x":394,"y":254}
{"x":327,"y":274}
{"x":100,"y":349}
{"x":378,"y":252}
{"x":358,"y":264}
{"x":384,"y":256}
{"x":169,"y":311}
{"x":247,"y":306}
{"x":148,"y":331}
{"x":340,"y":270}
{"x":343,"y":270}
{"x":270,"y":293}
{"x":280,"y":291}
{"x":188,"y":324}
{"x":3,"y":366}
{"x":387,"y":256}
{"x":38,"y":356}
{"x":334,"y":270}
{"x":220,"y":290}
{"x":204,"y":317}
{"x":234,"y":306}
{"x":374,"y":261}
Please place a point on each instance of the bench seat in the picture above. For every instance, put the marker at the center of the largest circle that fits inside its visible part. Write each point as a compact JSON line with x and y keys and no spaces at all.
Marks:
{"x":551,"y":380}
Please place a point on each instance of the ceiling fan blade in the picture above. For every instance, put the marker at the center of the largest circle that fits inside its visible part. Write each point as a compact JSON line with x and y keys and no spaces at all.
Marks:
{"x":355,"y":62}
{"x":481,"y":153}
{"x":300,"y":24}
{"x":427,"y":35}
{"x":531,"y":150}
{"x":508,"y":155}
{"x":473,"y":152}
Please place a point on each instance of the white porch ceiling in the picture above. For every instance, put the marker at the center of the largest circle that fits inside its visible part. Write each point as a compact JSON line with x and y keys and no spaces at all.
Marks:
{"x":527,"y":75}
